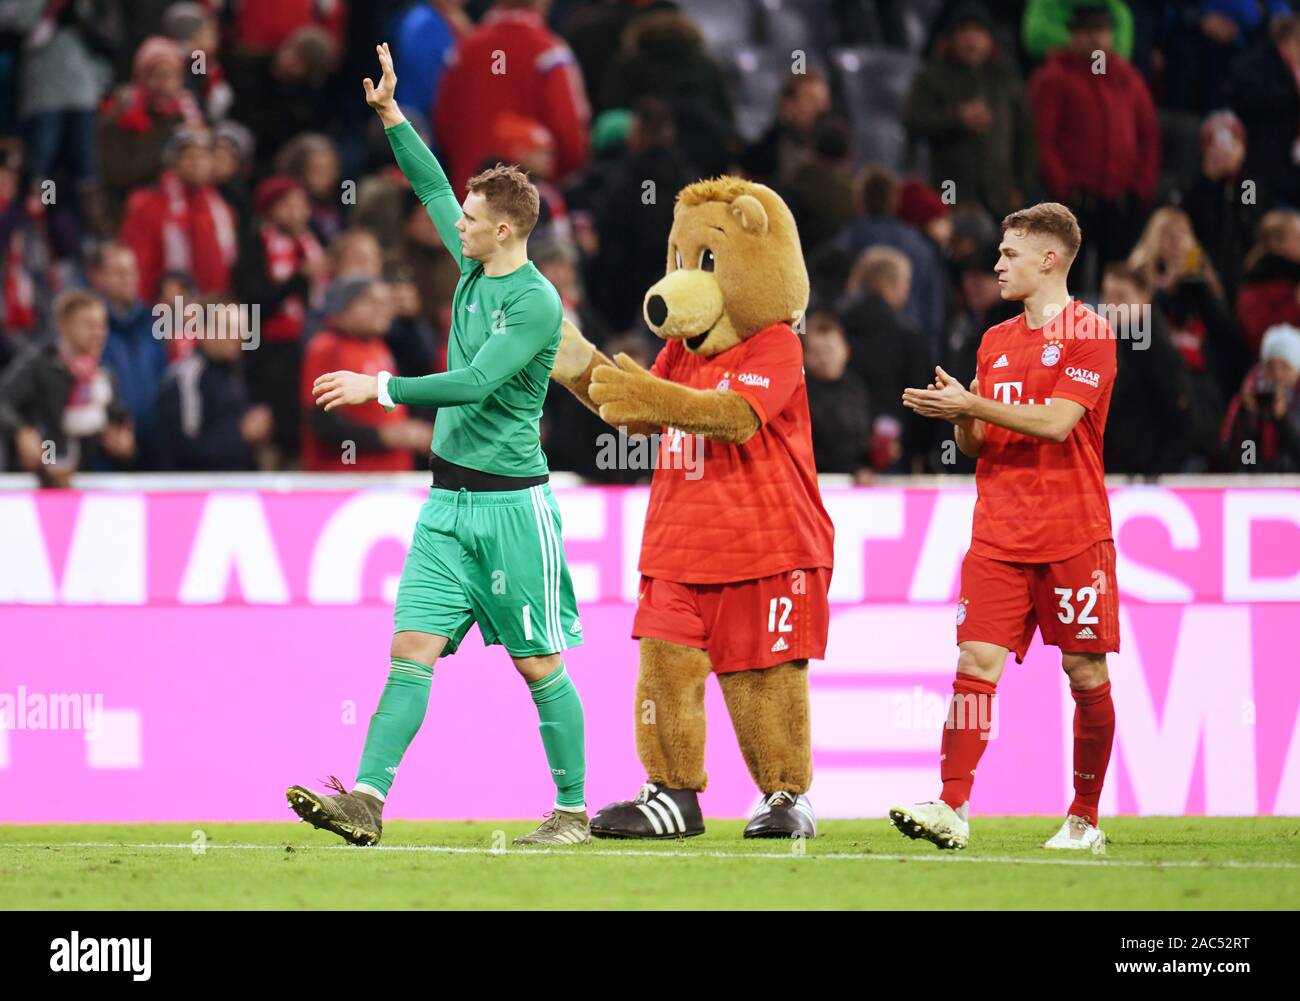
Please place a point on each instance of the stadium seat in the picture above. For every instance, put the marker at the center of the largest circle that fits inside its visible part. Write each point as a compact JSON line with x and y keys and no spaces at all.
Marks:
{"x":797,"y":24}
{"x":917,"y":16}
{"x":726,"y":24}
{"x":873,"y":81}
{"x":877,"y":139}
{"x":756,"y":75}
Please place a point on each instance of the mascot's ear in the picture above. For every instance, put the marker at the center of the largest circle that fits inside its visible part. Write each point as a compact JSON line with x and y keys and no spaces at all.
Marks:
{"x":753,"y":217}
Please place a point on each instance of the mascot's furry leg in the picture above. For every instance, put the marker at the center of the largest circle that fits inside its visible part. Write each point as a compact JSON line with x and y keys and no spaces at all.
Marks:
{"x":670,"y":744}
{"x":769,"y":711}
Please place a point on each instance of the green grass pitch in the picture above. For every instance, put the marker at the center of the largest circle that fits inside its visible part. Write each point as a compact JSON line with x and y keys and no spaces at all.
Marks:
{"x":1153,"y":862}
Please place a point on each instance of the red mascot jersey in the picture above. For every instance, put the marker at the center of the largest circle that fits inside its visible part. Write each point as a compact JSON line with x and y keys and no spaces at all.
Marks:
{"x":719,"y":512}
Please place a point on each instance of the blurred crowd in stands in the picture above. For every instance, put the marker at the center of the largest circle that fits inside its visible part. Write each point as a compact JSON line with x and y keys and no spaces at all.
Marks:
{"x":218,"y":158}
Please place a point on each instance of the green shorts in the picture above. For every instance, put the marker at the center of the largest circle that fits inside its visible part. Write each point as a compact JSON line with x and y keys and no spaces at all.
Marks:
{"x":495,"y":558}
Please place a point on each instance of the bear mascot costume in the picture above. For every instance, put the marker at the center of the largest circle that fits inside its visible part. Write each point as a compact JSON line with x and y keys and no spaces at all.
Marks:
{"x":736,"y":556}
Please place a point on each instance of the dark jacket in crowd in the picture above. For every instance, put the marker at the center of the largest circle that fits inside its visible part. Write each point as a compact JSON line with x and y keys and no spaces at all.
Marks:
{"x":573,"y":436}
{"x":820,"y":196}
{"x":1264,"y":95}
{"x":664,"y":56}
{"x":200,"y":407}
{"x":1204,"y":332}
{"x":841,"y":423}
{"x":1225,"y":225}
{"x":1151,"y":424}
{"x":35,"y":391}
{"x":960,"y":359}
{"x":632,"y":233}
{"x":889,"y":353}
{"x":985,"y":166}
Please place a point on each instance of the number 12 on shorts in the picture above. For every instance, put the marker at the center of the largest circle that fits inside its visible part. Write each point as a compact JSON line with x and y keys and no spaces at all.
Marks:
{"x":1086,"y":597}
{"x":785,"y":605}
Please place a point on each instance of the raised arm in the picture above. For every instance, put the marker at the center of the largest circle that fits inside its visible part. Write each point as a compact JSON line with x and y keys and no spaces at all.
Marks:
{"x":421,"y":167}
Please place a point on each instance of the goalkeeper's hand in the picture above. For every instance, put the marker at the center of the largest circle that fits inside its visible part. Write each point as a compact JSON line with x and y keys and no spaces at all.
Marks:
{"x":383,"y":96}
{"x":344,"y":389}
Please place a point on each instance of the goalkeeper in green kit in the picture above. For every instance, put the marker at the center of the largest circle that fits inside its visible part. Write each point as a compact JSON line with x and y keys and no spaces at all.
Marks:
{"x":487,"y":543}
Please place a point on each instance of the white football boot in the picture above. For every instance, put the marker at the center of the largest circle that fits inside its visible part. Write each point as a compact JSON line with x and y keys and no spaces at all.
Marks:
{"x":935,"y":821}
{"x":1076,"y":834}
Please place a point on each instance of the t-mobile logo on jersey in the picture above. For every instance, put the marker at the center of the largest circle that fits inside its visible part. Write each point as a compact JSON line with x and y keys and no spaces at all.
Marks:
{"x":1009,"y":392}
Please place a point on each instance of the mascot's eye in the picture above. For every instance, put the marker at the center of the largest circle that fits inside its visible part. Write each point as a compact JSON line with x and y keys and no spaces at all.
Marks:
{"x":706,"y":260}
{"x":679,"y":260}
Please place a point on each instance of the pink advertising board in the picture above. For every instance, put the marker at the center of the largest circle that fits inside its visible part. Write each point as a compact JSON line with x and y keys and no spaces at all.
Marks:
{"x":183,"y":656}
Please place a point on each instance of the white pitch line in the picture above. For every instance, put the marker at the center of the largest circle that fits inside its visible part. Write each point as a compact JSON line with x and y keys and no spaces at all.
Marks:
{"x":646,"y":853}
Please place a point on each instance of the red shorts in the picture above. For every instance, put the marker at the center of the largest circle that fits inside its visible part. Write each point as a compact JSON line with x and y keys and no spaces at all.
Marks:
{"x":1074,"y":602}
{"x":742,"y":625}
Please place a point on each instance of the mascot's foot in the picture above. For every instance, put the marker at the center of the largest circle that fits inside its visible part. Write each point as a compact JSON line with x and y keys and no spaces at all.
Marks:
{"x":783,"y":815}
{"x":657,"y":812}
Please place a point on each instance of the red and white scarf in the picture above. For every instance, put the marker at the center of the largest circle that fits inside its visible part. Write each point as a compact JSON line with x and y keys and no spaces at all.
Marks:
{"x":284,"y":255}
{"x":178,"y":223}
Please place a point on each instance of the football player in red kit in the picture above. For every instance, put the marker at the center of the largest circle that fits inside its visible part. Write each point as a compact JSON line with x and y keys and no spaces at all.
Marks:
{"x":1042,"y":555}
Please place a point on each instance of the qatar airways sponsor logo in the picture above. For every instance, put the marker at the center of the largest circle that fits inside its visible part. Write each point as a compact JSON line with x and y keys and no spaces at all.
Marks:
{"x":750,"y":379}
{"x":1084,"y":375}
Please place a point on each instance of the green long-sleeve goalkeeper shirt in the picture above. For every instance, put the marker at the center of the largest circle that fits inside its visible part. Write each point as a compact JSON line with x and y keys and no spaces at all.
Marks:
{"x":505,"y":332}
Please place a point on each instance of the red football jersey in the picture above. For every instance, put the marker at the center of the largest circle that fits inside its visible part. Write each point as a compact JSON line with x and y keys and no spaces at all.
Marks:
{"x":1040,"y":501}
{"x":736,"y":512}
{"x":330,"y":352}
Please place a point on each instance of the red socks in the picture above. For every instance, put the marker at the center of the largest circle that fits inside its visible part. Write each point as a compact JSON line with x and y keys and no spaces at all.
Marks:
{"x":965,"y":735}
{"x":1094,"y":733}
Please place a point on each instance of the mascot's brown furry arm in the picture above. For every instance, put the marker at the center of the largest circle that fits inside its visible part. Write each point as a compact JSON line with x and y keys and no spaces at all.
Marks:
{"x":736,"y":560}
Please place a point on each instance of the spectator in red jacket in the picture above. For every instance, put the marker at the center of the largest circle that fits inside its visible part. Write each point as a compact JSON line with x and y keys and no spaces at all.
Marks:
{"x":368,"y":438}
{"x":510,"y":62}
{"x":1270,"y":290}
{"x":1098,"y":139}
{"x":262,"y":25}
{"x":182,"y":223}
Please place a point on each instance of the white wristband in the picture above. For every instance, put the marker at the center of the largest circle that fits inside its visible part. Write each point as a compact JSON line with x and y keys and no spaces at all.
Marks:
{"x":385,"y":400}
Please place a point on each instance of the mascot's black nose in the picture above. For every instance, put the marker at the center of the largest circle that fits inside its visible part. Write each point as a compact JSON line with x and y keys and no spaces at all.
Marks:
{"x":656,"y":310}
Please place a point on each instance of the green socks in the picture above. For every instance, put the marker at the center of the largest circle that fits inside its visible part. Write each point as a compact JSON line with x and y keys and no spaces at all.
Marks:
{"x":406,"y":698}
{"x":397,"y":721}
{"x":560,"y":712}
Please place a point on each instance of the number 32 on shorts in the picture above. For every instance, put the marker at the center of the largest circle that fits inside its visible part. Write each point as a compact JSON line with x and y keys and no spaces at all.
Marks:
{"x":1085,"y":598}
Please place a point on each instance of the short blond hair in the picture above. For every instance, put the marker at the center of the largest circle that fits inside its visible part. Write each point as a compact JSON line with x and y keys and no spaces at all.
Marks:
{"x":878,"y":267}
{"x":71,"y":300}
{"x":1050,"y":219}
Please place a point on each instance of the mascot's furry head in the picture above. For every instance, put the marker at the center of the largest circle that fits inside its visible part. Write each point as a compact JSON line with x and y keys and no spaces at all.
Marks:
{"x":734,"y":267}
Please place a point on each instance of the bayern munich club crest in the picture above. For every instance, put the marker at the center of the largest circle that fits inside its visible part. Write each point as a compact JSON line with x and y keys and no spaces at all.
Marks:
{"x":1052,"y":354}
{"x":724,"y":382}
{"x":961,"y":611}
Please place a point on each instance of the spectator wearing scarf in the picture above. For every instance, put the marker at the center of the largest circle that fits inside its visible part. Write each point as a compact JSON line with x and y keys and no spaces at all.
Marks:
{"x":182,"y":223}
